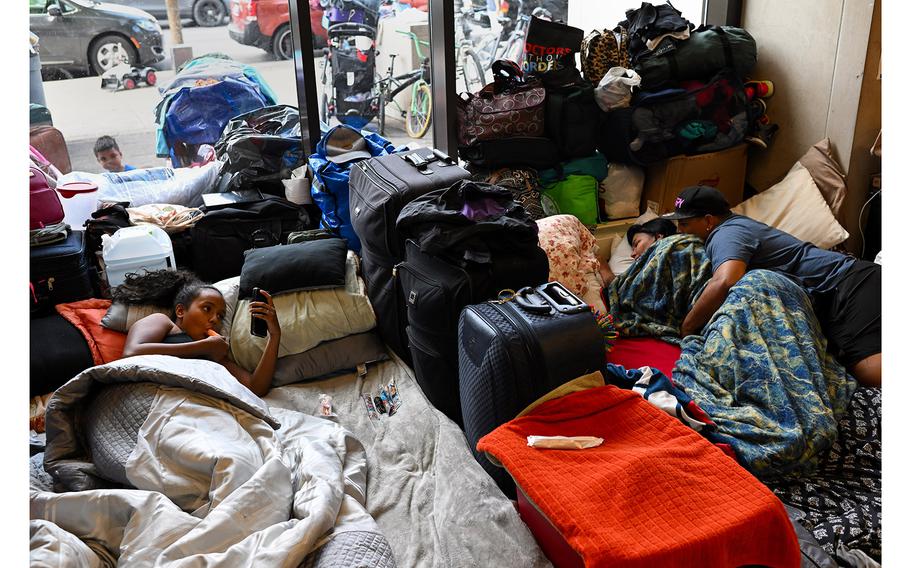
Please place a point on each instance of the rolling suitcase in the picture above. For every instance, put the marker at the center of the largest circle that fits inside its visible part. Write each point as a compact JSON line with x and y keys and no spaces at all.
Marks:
{"x":50,"y":142}
{"x":378,"y":189}
{"x":510,"y":353}
{"x":435,"y":291}
{"x":59,"y":273}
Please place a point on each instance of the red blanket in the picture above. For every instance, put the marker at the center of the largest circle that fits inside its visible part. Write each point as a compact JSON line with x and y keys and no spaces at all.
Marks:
{"x":105,"y":344}
{"x":655,"y":493}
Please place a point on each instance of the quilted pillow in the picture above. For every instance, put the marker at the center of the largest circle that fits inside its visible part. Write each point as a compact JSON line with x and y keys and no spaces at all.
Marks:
{"x":307,"y":318}
{"x":796,"y":206}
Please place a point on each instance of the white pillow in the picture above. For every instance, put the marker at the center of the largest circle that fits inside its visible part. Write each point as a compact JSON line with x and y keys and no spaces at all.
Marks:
{"x":230,"y":289}
{"x":796,"y":206}
{"x":621,"y":256}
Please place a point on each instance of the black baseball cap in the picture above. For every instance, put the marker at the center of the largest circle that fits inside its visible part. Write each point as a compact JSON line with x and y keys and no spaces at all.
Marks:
{"x":697,"y":201}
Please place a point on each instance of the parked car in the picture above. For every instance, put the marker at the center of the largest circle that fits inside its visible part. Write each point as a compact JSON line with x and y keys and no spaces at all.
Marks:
{"x":206,"y":13}
{"x":266,"y":24}
{"x":85,"y":35}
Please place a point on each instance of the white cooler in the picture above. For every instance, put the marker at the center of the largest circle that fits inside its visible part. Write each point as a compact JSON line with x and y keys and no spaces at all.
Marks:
{"x":133,"y":249}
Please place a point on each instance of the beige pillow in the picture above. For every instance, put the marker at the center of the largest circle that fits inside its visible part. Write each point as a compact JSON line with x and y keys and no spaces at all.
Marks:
{"x":621,"y":257}
{"x":827,"y":174}
{"x":796,"y":206}
{"x":121,"y":317}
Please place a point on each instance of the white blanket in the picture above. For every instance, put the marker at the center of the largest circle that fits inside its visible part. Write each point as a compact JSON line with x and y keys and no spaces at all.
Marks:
{"x":217,"y":486}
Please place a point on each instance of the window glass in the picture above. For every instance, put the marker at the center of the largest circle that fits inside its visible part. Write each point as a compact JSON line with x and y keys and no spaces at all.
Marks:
{"x":487,"y":30}
{"x":374,"y":71}
{"x":36,"y":7}
{"x":589,"y":15}
{"x":249,"y":40}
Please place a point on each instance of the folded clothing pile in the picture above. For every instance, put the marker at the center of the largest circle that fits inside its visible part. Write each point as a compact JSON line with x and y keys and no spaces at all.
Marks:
{"x":322,"y":308}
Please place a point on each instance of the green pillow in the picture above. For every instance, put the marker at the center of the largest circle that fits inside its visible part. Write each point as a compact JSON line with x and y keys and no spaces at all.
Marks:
{"x":575,"y":195}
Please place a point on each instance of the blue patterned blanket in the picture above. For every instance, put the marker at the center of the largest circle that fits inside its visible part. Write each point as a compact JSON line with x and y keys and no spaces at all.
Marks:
{"x":652,"y":296}
{"x":759,"y":369}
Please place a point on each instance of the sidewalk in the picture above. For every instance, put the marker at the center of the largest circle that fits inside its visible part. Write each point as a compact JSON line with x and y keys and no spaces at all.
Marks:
{"x":83,"y":111}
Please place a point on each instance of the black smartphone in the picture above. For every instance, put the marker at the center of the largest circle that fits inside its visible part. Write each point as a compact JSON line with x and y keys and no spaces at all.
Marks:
{"x":258,"y":326}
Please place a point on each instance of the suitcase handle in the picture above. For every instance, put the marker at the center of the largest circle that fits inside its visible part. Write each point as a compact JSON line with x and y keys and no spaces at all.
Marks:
{"x":553,"y":296}
{"x":532,"y":301}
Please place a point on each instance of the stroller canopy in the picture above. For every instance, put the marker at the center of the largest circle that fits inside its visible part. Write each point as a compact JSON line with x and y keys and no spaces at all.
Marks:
{"x":203,"y":97}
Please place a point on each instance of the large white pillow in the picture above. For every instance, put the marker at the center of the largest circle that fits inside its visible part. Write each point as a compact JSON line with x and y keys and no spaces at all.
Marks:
{"x":796,"y":206}
{"x":307,"y":318}
{"x":621,"y":256}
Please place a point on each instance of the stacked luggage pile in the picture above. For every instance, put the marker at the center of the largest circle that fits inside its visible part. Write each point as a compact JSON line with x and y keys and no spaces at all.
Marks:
{"x":450,"y":255}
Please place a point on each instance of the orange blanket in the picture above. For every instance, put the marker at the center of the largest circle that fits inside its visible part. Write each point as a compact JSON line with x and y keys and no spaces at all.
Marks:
{"x":105,"y":344}
{"x":655,"y":493}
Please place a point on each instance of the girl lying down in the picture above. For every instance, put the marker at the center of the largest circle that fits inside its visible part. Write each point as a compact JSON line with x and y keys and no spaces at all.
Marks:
{"x":195,"y":331}
{"x":572,"y":252}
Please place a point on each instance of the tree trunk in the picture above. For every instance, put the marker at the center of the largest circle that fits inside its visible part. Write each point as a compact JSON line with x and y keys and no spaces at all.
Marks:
{"x":173,"y":20}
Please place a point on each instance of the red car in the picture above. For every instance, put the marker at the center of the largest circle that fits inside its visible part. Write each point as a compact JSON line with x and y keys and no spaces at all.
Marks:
{"x":266,"y":24}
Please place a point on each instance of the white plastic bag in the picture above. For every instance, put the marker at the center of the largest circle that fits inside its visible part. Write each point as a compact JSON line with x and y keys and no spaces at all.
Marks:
{"x":615,"y":89}
{"x":620,"y":191}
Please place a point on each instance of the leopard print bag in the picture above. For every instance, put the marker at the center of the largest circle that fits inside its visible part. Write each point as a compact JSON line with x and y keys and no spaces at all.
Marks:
{"x":600,"y":51}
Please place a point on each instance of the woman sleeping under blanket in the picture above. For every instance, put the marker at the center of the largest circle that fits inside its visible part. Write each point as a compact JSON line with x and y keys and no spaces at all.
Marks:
{"x":199,"y":310}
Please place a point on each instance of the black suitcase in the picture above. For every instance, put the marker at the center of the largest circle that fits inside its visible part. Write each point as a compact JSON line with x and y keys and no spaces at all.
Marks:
{"x":512,"y":353}
{"x":60,"y":273}
{"x":224,"y":233}
{"x":379,"y":188}
{"x":435,"y":290}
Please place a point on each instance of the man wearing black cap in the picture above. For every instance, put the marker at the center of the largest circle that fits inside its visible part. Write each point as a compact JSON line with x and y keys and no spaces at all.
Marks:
{"x":845,"y":291}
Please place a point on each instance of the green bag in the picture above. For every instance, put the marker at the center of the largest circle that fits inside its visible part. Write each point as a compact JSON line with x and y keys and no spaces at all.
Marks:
{"x":594,"y":165}
{"x":575,"y":195}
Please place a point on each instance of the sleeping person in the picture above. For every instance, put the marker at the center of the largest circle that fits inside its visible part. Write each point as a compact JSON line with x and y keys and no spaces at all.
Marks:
{"x":846,"y":292}
{"x":199,"y":309}
{"x":641,"y":237}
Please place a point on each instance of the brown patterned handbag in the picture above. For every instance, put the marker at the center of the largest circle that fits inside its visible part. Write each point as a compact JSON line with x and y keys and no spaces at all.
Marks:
{"x":601,"y":50}
{"x":508,"y":107}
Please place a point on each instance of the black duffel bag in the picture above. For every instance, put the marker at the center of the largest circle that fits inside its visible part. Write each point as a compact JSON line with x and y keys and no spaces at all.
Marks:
{"x":708,"y":50}
{"x":224,"y":233}
{"x":573,"y":119}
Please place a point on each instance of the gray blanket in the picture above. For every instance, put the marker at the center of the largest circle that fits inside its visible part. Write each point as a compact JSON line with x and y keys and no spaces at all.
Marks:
{"x":429,"y":496}
{"x":214,"y":484}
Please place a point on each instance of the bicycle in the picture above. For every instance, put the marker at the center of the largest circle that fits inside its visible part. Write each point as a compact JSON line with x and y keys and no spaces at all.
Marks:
{"x":479,"y":58}
{"x":361,"y":98}
{"x":418,"y":115}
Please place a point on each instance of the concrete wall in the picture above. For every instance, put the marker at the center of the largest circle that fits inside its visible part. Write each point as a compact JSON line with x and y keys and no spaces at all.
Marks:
{"x":817,"y":53}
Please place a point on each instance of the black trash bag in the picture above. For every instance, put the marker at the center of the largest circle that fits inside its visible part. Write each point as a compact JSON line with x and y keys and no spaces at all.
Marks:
{"x":262,"y":143}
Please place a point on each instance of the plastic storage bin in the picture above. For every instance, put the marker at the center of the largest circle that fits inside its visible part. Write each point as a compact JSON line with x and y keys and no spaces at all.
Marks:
{"x":132,"y":249}
{"x":80,"y":200}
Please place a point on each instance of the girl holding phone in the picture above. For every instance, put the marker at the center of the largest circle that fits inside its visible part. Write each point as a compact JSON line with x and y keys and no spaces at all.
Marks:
{"x":195,"y":331}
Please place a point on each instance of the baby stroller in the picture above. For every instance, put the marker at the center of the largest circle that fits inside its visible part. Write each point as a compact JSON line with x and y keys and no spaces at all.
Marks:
{"x":350,"y":62}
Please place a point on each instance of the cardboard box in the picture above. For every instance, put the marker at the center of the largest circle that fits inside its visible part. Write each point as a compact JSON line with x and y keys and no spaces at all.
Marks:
{"x":725,"y":170}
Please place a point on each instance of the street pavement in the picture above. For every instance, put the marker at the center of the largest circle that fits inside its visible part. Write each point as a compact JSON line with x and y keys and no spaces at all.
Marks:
{"x":83,"y":111}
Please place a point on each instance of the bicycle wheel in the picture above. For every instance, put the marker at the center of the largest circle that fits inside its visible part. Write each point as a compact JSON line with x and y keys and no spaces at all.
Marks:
{"x":420,"y":112}
{"x":472,"y":71}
